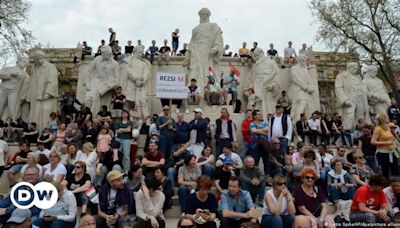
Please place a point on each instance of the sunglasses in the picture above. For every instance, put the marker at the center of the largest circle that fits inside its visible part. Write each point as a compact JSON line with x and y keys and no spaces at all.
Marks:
{"x":165,"y":109}
{"x":360,"y":157}
{"x":282,"y":183}
{"x":78,"y":167}
{"x":187,"y":226}
{"x":309,"y":178}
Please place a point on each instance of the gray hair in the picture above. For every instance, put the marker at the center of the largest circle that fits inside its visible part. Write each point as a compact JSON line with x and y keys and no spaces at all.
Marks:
{"x":32,"y":167}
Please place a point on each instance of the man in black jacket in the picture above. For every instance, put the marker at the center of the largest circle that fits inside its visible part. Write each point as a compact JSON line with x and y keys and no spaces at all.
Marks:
{"x":198,"y":126}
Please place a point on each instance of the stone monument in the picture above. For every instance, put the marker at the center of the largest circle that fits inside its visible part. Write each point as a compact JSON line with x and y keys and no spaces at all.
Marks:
{"x":43,"y":90}
{"x":301,"y":90}
{"x":205,"y":49}
{"x":12,"y":79}
{"x":103,"y":76}
{"x":378,"y":98}
{"x":263,"y":78}
{"x":135,"y":74}
{"x":351,"y":94}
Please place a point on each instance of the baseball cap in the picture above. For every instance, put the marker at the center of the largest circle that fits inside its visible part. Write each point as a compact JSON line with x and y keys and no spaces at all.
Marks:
{"x":198,"y":110}
{"x":228,"y":161}
{"x":113,"y":175}
{"x":19,"y":215}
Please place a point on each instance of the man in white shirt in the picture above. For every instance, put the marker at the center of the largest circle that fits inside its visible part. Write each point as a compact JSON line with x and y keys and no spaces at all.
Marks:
{"x":315,"y":127}
{"x":289,"y":54}
{"x":227,"y":152}
{"x":41,"y":150}
{"x":281,"y":128}
{"x":392,"y":194}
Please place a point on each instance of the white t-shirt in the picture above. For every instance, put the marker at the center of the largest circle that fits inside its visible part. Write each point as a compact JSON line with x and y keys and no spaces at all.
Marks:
{"x":314,"y":124}
{"x":235,"y":157}
{"x":289,"y":52}
{"x":45,"y":152}
{"x":60,"y":169}
{"x":3,"y":151}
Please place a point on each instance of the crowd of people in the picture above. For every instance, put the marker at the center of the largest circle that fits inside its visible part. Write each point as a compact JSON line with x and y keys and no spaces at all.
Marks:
{"x":212,"y":166}
{"x":162,"y":54}
{"x":85,"y":155}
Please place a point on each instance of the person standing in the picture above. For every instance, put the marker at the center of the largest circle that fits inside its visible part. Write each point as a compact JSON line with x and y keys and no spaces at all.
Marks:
{"x":280,"y":126}
{"x":167,"y":127}
{"x":225,"y":131}
{"x":175,"y":42}
{"x":123,"y":129}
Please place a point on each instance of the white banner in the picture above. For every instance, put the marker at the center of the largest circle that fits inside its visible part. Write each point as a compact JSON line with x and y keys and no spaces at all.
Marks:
{"x":171,"y":85}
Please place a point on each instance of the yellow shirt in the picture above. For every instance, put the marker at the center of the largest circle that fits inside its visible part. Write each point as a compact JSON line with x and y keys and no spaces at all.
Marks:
{"x":384,"y":135}
{"x":244,"y":51}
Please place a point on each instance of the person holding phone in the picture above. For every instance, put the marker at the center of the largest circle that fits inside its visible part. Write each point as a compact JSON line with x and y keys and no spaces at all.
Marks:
{"x":201,"y":205}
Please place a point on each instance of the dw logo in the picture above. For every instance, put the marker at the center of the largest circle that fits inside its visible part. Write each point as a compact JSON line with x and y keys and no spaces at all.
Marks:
{"x":43,"y":195}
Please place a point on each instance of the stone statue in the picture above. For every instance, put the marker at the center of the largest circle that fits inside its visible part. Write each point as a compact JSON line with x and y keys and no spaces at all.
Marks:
{"x":205,"y":49}
{"x":378,"y":98}
{"x":11,"y":80}
{"x":103,"y":77}
{"x":43,"y":90}
{"x":301,"y":90}
{"x":263,"y":78}
{"x":351,"y":94}
{"x":135,"y":75}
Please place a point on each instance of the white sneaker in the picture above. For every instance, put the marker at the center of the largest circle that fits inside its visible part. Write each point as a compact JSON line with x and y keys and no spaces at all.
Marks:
{"x":177,"y":110}
{"x":187,"y":111}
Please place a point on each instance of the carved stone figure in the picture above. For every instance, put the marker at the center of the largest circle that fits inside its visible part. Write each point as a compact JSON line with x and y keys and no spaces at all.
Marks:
{"x":378,"y":98}
{"x":351,"y":94}
{"x":43,"y":90}
{"x":301,"y":90}
{"x":263,"y":78}
{"x":205,"y":49}
{"x":102,"y":78}
{"x":11,"y":80}
{"x":134,"y":79}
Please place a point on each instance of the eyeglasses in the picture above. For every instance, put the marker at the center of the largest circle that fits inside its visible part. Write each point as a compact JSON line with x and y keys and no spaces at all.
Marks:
{"x":78,"y":167}
{"x":165,"y":109}
{"x":282,"y":183}
{"x":309,"y":177}
{"x":360,"y":157}
{"x":187,"y":226}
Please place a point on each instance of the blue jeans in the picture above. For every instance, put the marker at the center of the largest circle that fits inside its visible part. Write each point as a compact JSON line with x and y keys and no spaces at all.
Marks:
{"x":171,"y":174}
{"x":258,"y":152}
{"x":54,"y":224}
{"x":183,"y":193}
{"x":126,"y":150}
{"x":284,"y":145}
{"x":165,"y":145}
{"x":358,"y":216}
{"x":277,"y":221}
{"x":336,"y":194}
{"x":245,"y":150}
{"x":371,"y":162}
{"x":255,"y":190}
{"x":6,"y":202}
{"x":208,"y":170}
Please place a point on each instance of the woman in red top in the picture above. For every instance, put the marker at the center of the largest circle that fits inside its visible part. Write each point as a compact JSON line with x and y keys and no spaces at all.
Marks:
{"x":246,"y":132}
{"x":369,"y":202}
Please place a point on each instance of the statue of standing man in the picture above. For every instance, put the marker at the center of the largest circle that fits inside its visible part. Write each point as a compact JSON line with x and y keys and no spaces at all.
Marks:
{"x":263,"y":78}
{"x":351,"y":94}
{"x":134,"y":77}
{"x":11,"y":80}
{"x":103,"y":77}
{"x":301,"y":89}
{"x":378,"y":98}
{"x":205,"y":49}
{"x":43,"y":90}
